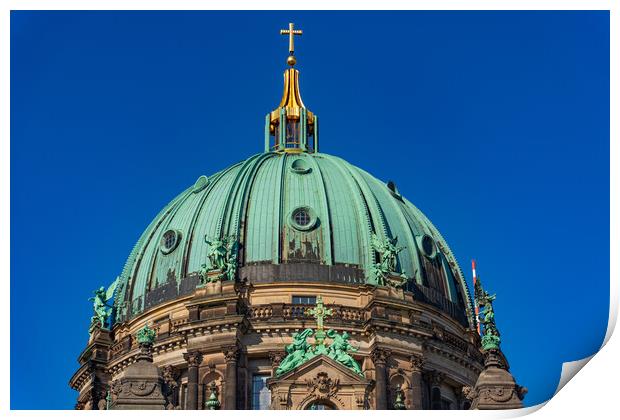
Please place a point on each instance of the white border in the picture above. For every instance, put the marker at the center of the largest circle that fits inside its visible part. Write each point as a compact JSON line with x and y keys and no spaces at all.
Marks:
{"x":592,"y":395}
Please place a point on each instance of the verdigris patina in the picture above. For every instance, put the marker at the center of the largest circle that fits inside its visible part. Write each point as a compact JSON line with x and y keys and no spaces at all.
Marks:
{"x":101,"y":307}
{"x":146,"y":335}
{"x":222,"y":256}
{"x":213,"y":403}
{"x":384,"y":270}
{"x":300,"y":351}
{"x":490,"y":337}
{"x":297,"y":353}
{"x":399,"y":401}
{"x":338,"y":349}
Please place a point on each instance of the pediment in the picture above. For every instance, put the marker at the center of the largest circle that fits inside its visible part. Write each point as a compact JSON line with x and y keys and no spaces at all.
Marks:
{"x":310,"y":369}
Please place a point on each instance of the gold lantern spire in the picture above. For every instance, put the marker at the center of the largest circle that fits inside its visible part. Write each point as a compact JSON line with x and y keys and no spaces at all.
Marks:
{"x":297,"y":122}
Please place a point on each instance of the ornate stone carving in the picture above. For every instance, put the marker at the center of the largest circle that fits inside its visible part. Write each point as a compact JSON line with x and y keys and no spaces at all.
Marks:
{"x":380,"y":355}
{"x":115,"y":388}
{"x":322,"y":386}
{"x":231,"y":353}
{"x":276,"y":358}
{"x":496,"y":388}
{"x":193,"y":358}
{"x":417,"y":362}
{"x":170,"y":387}
{"x":140,"y":387}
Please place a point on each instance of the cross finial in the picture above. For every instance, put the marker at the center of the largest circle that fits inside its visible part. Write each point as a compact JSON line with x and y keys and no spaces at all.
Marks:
{"x":319,"y":312}
{"x":291,"y":32}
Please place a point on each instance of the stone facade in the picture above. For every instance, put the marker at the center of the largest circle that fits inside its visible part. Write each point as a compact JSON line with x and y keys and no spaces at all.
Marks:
{"x":225,"y":334}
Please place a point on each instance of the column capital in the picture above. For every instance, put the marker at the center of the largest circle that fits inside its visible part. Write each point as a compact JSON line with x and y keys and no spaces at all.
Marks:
{"x":276,"y":357}
{"x":380,"y":355}
{"x":231,"y":353}
{"x":193,"y":358}
{"x":417,"y":362}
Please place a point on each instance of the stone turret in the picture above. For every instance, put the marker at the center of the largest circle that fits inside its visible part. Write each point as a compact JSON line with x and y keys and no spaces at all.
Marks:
{"x":496,"y":388}
{"x":140,"y":387}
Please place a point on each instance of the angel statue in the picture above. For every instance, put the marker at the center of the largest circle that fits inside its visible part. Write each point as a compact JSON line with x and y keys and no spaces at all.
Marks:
{"x":100,"y":304}
{"x":298,"y":352}
{"x":338,"y":349}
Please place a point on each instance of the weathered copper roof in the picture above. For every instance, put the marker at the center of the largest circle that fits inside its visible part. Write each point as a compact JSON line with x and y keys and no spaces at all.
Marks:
{"x":255,"y":199}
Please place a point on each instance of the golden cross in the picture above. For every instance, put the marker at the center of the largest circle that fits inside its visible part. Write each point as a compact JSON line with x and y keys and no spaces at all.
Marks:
{"x":291,"y":32}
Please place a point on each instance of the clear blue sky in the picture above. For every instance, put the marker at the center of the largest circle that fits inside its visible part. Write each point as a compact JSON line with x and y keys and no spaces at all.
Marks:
{"x":495,"y":124}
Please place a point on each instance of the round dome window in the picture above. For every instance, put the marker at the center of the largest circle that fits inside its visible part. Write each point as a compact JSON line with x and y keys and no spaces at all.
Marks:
{"x":427,"y":245}
{"x":300,"y":166}
{"x":170,"y":241}
{"x":303,"y":218}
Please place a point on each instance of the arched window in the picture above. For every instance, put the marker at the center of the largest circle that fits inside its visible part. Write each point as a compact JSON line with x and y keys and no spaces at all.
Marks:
{"x":320,"y":405}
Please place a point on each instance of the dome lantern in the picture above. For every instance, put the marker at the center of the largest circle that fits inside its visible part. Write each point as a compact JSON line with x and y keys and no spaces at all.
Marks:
{"x":291,"y":127}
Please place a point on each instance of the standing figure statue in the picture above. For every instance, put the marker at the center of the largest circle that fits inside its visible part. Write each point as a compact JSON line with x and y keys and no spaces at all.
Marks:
{"x":298,"y":352}
{"x":338,"y":349}
{"x":222,"y":256}
{"x":484,"y":300}
{"x":388,"y":251}
{"x":100,"y":305}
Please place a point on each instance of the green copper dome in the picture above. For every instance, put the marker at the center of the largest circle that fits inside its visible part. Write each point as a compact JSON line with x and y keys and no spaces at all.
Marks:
{"x":296,"y":216}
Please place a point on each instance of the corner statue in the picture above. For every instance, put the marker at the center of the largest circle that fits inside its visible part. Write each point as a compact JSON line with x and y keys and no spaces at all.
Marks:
{"x":100,"y":306}
{"x":484,"y":300}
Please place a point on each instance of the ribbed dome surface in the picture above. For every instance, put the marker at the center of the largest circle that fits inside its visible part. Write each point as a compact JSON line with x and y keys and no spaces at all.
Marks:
{"x":259,"y":200}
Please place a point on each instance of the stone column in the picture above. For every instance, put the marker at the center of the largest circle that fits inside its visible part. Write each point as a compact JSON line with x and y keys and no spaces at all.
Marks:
{"x":231,"y":354}
{"x":380,"y":358}
{"x":194,"y":359}
{"x":417,"y":384}
{"x":435,"y":380}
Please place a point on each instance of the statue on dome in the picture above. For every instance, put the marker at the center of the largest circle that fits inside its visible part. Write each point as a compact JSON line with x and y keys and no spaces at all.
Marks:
{"x":222,"y":256}
{"x":383,"y":270}
{"x":100,"y":305}
{"x":298,"y":352}
{"x":202,"y":274}
{"x":338,"y":349}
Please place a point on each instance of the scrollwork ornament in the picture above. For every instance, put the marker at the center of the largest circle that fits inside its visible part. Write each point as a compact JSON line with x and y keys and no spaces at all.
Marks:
{"x":193,"y":359}
{"x":417,"y":363}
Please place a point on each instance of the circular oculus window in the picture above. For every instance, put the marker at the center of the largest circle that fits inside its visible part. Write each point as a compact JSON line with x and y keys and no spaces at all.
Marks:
{"x":427,"y":245}
{"x":303,"y":218}
{"x":300,"y":166}
{"x":170,"y":240}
